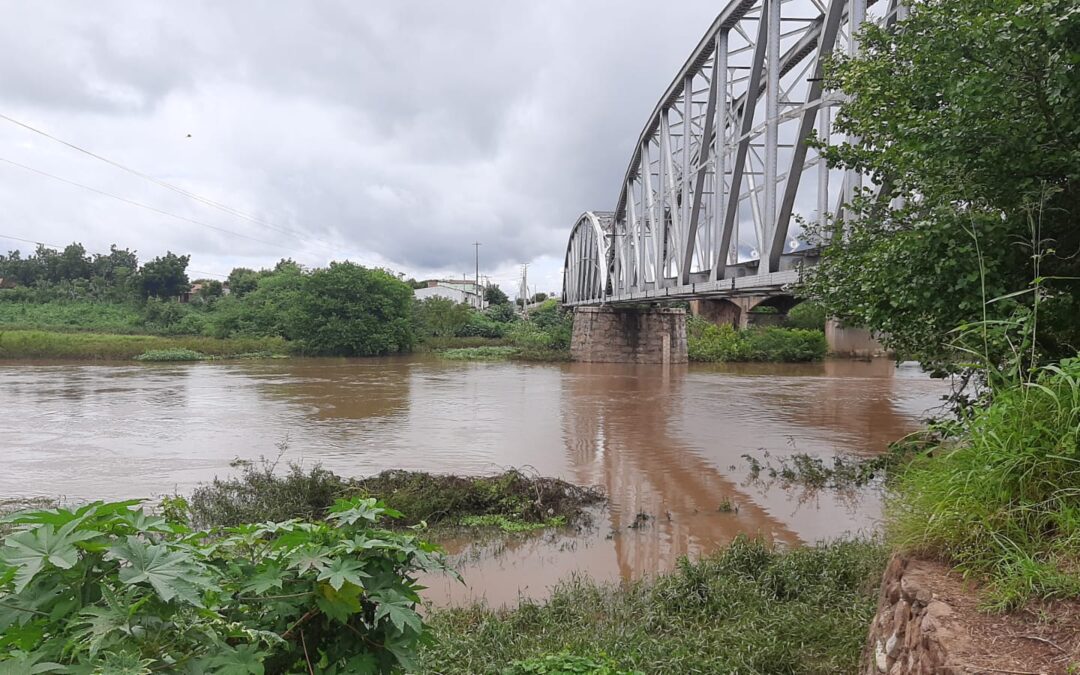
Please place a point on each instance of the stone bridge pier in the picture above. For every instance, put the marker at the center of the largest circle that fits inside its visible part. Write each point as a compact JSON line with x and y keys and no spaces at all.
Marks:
{"x":629,"y":335}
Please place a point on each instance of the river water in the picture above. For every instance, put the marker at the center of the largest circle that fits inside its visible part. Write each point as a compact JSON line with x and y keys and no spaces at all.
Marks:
{"x":664,"y":441}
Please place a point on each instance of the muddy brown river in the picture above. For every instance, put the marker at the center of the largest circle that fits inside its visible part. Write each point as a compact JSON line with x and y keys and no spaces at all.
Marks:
{"x":664,"y":441}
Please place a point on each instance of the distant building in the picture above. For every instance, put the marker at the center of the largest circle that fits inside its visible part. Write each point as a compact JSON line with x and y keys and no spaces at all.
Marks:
{"x":460,"y":290}
{"x":7,"y":283}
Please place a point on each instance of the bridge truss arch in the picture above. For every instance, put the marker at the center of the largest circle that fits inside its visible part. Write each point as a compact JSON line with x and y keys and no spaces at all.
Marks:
{"x":723,"y":165}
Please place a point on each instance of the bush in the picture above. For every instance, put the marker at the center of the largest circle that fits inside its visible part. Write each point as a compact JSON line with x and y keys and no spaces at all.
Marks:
{"x":259,"y":494}
{"x":479,"y":325}
{"x":786,"y":344}
{"x":807,"y":315}
{"x":107,"y":588}
{"x":708,"y":342}
{"x":479,"y":353}
{"x":349,"y":310}
{"x":1003,"y":503}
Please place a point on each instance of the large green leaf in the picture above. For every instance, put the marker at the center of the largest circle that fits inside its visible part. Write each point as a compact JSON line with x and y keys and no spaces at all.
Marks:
{"x":30,"y":550}
{"x":172,"y":574}
{"x":344,"y":570}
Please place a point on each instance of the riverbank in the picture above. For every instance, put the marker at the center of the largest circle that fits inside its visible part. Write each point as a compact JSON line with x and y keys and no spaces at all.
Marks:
{"x":38,"y":344}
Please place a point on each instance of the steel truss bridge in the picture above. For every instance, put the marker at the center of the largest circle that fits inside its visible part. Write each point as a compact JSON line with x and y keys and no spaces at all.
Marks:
{"x":723,"y":166}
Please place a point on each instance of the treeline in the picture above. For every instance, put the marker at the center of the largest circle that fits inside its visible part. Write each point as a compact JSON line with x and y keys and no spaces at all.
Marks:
{"x":344,"y":309}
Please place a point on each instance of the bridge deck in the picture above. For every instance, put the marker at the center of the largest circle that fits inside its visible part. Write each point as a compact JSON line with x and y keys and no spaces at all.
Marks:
{"x":755,"y":284}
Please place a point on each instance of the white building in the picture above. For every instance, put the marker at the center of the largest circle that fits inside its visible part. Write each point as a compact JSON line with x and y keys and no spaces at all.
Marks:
{"x":458,"y":291}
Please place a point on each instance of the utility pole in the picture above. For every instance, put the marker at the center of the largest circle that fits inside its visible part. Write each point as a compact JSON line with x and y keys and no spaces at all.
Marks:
{"x":524,"y":291}
{"x":479,"y":294}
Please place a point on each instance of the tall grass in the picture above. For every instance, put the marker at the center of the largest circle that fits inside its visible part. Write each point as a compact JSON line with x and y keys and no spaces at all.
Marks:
{"x":33,"y":344}
{"x":1003,"y":503}
{"x":748,"y":608}
{"x":77,"y":315}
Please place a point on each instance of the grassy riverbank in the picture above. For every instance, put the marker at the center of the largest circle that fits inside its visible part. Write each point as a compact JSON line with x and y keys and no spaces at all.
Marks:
{"x":37,"y":344}
{"x":747,"y":608}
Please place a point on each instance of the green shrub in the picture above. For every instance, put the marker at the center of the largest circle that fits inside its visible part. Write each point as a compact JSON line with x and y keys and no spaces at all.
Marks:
{"x":479,"y":325}
{"x":107,"y":588}
{"x":748,"y":608}
{"x":259,"y":494}
{"x":170,"y":355}
{"x":708,"y":342}
{"x":1003,"y":502}
{"x":808,"y":315}
{"x":785,"y":344}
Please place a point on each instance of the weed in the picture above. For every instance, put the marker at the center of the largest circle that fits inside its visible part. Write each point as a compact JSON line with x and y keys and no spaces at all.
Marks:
{"x":1003,"y":502}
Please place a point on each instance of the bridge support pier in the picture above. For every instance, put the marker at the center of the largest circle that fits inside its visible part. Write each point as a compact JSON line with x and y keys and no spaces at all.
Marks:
{"x":629,"y":335}
{"x":852,"y":342}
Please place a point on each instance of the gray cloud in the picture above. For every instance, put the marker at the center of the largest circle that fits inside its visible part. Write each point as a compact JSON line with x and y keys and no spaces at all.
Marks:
{"x":393,"y":133}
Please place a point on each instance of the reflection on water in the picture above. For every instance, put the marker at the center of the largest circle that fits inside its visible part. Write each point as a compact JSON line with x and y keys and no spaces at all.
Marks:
{"x":664,"y":441}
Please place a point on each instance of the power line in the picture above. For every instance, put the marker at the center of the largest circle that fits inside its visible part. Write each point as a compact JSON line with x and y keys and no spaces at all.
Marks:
{"x":144,"y":206}
{"x":328,"y":248}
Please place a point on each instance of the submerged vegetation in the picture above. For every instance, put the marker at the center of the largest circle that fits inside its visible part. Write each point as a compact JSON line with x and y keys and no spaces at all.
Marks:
{"x":510,"y":501}
{"x":748,"y":608}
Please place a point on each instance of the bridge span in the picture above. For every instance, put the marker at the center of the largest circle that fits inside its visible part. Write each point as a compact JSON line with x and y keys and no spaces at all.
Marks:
{"x":725,"y":167}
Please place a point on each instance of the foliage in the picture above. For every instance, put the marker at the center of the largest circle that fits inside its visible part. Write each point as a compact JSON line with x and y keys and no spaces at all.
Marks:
{"x":165,"y":276}
{"x":267,"y":309}
{"x":1002,"y":501}
{"x":242,"y":281}
{"x":170,"y":355}
{"x":807,"y":315}
{"x":108,"y":317}
{"x":707,"y":341}
{"x":30,"y":344}
{"x":479,"y":353}
{"x":494,"y":296}
{"x":969,"y":114}
{"x":441,"y":317}
{"x":480,"y":325}
{"x":425,"y":497}
{"x":503,"y":313}
{"x":786,"y":344}
{"x":259,"y":494}
{"x":109,"y":588}
{"x":350,"y":310}
{"x":748,"y":608}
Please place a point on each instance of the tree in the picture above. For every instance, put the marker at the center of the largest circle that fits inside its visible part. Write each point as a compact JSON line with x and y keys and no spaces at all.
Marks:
{"x":493,"y":295}
{"x":210,"y":288}
{"x":441,"y":317}
{"x":71,"y":264}
{"x":242,"y":281}
{"x":538,"y":297}
{"x":165,"y":276}
{"x":350,"y":310}
{"x":120,"y":263}
{"x":969,"y":115}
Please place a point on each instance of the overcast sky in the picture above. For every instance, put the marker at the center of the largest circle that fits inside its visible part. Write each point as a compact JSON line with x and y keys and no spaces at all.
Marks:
{"x":393,"y":133}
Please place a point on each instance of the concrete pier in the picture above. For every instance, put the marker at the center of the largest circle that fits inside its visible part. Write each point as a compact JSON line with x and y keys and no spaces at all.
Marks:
{"x":629,"y":335}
